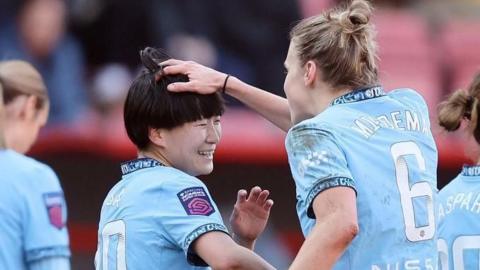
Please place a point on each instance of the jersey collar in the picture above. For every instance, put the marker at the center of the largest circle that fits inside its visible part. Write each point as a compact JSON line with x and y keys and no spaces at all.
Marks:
{"x":360,"y":94}
{"x":471,"y":170}
{"x":138,"y":164}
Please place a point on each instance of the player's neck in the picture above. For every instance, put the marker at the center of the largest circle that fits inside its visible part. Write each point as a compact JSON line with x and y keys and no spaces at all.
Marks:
{"x":478,"y":161}
{"x":325,"y":95}
{"x":155,"y":155}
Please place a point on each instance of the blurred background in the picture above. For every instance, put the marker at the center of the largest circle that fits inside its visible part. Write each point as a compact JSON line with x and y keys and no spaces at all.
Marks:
{"x":87,"y":51}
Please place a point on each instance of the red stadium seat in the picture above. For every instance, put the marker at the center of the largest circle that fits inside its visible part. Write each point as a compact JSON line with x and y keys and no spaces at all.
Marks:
{"x":460,"y":42}
{"x":407,"y":57}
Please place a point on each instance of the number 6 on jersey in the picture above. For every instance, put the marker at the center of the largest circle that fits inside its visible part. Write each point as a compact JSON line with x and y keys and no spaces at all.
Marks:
{"x":409,"y":193}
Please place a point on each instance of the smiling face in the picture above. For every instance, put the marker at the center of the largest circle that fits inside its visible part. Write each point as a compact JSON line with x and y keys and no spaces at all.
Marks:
{"x":191,"y":146}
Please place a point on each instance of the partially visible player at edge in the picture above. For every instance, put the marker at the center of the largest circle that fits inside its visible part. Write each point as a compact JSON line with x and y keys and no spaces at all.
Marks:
{"x":33,"y":213}
{"x":459,"y":201}
{"x":159,"y":215}
{"x":364,"y":161}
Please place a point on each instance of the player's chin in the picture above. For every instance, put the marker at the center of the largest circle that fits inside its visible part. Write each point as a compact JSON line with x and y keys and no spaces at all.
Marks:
{"x":204,"y":168}
{"x":207,"y":168}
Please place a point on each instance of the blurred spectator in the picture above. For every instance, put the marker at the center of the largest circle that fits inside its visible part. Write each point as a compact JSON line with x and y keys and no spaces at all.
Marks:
{"x":37,"y":35}
{"x":7,"y":8}
{"x":109,"y":90}
{"x":183,"y":28}
{"x":256,"y":33}
{"x":112,"y":31}
{"x":246,"y":38}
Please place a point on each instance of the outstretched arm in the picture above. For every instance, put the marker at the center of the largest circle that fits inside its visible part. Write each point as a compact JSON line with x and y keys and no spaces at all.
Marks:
{"x":205,"y":80}
{"x":250,"y":216}
{"x":336,"y":226}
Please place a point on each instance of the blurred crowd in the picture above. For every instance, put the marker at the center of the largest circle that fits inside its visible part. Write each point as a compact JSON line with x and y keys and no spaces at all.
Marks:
{"x":87,"y":49}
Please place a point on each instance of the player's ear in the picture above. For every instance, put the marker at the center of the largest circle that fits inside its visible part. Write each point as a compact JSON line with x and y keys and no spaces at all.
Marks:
{"x":157,"y":136}
{"x":29,"y":108}
{"x":20,"y":108}
{"x":310,"y":73}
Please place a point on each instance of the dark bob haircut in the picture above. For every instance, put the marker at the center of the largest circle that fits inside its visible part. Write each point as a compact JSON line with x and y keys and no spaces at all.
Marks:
{"x":150,"y":105}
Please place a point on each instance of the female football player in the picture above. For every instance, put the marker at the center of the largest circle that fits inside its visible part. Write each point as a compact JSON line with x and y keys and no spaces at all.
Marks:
{"x":159,"y":215}
{"x":364,"y":161}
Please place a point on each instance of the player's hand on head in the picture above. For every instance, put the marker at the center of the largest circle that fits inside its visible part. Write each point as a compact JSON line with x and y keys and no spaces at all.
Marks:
{"x":250,"y":213}
{"x":202,"y":79}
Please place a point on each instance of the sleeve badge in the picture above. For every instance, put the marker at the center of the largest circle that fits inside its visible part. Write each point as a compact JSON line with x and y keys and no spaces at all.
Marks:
{"x":196,"y":201}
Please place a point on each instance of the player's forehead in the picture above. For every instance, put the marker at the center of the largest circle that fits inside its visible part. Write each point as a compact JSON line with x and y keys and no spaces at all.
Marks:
{"x":292,"y":55}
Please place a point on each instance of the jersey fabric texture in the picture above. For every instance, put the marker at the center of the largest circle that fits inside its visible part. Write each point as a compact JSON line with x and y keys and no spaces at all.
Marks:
{"x":381,"y":146}
{"x":32,"y":212}
{"x":152,"y":216}
{"x":459,"y":221}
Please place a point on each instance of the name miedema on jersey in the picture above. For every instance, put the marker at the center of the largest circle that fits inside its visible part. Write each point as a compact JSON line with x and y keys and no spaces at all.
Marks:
{"x":399,"y":120}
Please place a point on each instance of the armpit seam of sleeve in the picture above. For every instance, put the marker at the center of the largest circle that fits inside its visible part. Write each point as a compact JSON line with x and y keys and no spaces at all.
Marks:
{"x":41,"y":253}
{"x":324,"y":184}
{"x":201,"y":230}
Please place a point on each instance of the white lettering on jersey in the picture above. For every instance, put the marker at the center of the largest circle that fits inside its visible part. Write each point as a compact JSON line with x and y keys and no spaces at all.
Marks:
{"x":399,"y":120}
{"x":114,"y":199}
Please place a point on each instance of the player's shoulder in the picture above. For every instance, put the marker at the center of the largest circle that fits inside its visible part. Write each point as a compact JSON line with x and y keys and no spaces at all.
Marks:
{"x":160,"y":179}
{"x":320,"y":126}
{"x":450,"y":188}
{"x":181,"y":180}
{"x":407,"y":95}
{"x":26,"y":167}
{"x":405,"y":92}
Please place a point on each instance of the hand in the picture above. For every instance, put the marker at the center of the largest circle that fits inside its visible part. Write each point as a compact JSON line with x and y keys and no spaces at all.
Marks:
{"x":250,"y":215}
{"x":202,"y":79}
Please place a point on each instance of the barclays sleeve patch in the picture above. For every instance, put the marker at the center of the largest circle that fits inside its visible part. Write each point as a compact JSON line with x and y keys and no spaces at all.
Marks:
{"x":195,"y":201}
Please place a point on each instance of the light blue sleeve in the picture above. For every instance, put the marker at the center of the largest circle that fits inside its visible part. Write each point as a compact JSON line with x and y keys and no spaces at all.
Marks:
{"x":191,"y":212}
{"x":44,"y":217}
{"x":317,"y":162}
{"x":57,"y":263}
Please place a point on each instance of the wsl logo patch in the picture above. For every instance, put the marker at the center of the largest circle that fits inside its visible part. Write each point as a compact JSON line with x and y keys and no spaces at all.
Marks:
{"x":54,"y":205}
{"x":196,"y":201}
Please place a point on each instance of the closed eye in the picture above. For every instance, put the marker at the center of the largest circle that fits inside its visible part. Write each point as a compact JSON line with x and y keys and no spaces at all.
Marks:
{"x":201,"y":124}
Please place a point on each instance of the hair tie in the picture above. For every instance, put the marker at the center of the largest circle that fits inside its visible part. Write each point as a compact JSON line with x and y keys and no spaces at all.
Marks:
{"x":224,"y":88}
{"x":469,"y":107}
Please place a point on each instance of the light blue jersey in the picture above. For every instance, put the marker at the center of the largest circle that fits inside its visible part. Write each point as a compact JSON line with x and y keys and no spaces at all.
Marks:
{"x":381,"y":146}
{"x":459,"y":221}
{"x":152,"y":216}
{"x":32,"y":212}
